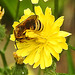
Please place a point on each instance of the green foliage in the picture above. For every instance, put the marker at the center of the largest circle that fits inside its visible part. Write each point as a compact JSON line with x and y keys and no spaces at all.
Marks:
{"x":19,"y":70}
{"x":11,"y":6}
{"x":64,"y":74}
{"x":71,"y":47}
{"x":50,"y":70}
{"x":71,"y":69}
{"x":2,"y":32}
{"x":5,"y":71}
{"x":61,"y":74}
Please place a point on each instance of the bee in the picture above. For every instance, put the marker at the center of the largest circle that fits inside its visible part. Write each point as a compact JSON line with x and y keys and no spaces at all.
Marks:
{"x":31,"y":23}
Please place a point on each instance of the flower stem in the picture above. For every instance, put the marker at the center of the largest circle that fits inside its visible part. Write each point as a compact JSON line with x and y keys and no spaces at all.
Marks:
{"x":0,"y":21}
{"x":3,"y":58}
{"x":69,"y":59}
{"x":33,"y":7}
{"x":1,"y":69}
{"x":56,"y":8}
{"x":7,"y":42}
{"x":39,"y":72}
{"x":8,"y":39}
{"x":17,"y":10}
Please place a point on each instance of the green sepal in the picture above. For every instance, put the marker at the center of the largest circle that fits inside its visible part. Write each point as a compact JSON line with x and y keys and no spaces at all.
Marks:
{"x":19,"y":69}
{"x":2,"y":32}
{"x":50,"y":70}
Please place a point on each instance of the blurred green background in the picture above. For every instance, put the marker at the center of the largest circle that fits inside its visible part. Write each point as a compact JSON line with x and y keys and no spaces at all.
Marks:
{"x":65,"y":7}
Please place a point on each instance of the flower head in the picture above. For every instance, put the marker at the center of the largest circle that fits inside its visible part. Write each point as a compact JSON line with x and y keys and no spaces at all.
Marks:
{"x":36,"y":1}
{"x":18,"y":59}
{"x":1,"y":13}
{"x":48,"y":42}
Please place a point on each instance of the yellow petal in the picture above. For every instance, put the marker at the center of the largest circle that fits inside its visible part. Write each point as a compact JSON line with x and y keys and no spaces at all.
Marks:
{"x":0,"y":8}
{"x":48,"y":59}
{"x":26,"y":48}
{"x":22,"y":45}
{"x":48,"y":11}
{"x":47,"y":52}
{"x":23,"y":52}
{"x":15,"y":24}
{"x":34,"y":1}
{"x":42,"y":62}
{"x":50,"y":19}
{"x":54,"y":30}
{"x":30,"y":58}
{"x":26,"y":60}
{"x":53,"y":52}
{"x":12,"y":37}
{"x":31,"y":61}
{"x":48,"y":22}
{"x":37,"y":56}
{"x":59,"y":22}
{"x":64,"y":46}
{"x":24,"y":17}
{"x":36,"y":64}
{"x":56,"y":47}
{"x":64,"y":34}
{"x":59,"y":39}
{"x":27,"y":11}
{"x":19,"y":52}
{"x":38,"y":10}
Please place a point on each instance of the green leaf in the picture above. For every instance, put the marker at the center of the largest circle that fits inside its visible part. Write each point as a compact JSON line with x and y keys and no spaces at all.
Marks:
{"x":2,"y":32}
{"x":11,"y":6}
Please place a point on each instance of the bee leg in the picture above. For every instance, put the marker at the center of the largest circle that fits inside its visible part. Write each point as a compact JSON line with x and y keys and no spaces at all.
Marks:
{"x":16,"y":45}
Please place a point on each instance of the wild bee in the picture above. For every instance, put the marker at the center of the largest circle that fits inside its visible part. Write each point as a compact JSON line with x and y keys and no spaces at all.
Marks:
{"x":31,"y":23}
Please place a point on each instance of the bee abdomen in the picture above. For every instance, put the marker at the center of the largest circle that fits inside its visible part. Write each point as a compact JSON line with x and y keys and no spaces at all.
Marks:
{"x":38,"y":26}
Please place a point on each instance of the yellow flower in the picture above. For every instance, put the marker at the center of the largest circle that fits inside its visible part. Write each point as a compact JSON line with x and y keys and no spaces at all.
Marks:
{"x":46,"y":43}
{"x":1,"y":13}
{"x":36,"y":1}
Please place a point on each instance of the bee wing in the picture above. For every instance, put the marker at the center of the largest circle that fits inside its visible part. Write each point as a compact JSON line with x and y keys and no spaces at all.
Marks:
{"x":35,"y":17}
